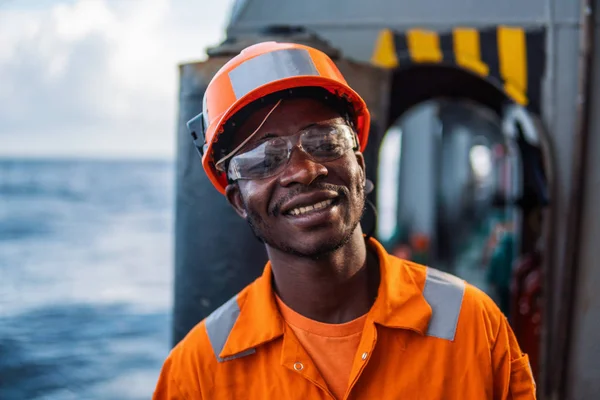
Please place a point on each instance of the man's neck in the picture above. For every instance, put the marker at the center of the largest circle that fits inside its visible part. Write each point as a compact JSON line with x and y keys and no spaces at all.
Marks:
{"x":338,"y":288}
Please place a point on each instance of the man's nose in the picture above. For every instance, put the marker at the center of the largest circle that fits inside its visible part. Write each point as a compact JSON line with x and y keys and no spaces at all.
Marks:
{"x":301,"y":169}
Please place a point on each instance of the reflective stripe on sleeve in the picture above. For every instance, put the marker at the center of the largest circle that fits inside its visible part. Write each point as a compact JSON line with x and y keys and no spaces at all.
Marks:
{"x":444,"y":293}
{"x":270,"y":67}
{"x":219,"y":325}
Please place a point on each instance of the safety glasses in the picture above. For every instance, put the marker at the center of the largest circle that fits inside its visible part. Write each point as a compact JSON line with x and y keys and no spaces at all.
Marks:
{"x":269,"y":156}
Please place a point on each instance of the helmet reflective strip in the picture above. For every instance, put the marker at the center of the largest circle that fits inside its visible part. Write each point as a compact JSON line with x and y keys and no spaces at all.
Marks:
{"x":205,"y":111}
{"x":271,"y":67}
{"x":444,"y":293}
{"x":219,"y":325}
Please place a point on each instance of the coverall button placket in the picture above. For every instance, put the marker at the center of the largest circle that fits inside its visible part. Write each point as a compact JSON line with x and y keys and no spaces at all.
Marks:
{"x":368,"y":343}
{"x":295,"y":358}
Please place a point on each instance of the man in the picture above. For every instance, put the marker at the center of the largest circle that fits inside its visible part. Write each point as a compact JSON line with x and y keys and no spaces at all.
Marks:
{"x":333,"y":316}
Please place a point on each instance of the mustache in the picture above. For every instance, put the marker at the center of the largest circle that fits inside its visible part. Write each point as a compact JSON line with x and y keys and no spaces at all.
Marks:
{"x":276,"y":208}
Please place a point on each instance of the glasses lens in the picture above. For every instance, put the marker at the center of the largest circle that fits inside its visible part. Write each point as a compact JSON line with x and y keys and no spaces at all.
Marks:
{"x":326,"y":143}
{"x":262,"y":161}
{"x":321,"y":143}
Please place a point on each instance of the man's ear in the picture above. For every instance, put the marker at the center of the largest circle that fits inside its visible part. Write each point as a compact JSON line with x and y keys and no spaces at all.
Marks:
{"x":360,"y":159}
{"x":234,"y":197}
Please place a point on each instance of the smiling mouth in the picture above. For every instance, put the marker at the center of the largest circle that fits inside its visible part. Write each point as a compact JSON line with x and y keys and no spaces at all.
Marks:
{"x":308,"y":209}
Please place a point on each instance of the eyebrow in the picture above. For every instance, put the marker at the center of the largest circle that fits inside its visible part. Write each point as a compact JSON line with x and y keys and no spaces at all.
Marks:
{"x":329,"y":122}
{"x":311,"y":125}
{"x":269,"y":135}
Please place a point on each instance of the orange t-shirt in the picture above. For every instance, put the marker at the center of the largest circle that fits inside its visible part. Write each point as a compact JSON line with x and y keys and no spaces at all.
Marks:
{"x":332,"y":347}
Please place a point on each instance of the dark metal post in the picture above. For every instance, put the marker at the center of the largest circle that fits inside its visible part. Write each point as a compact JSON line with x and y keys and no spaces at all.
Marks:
{"x":216,"y":254}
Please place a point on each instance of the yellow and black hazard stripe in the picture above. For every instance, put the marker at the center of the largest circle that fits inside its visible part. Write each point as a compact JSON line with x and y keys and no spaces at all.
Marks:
{"x":512,"y":58}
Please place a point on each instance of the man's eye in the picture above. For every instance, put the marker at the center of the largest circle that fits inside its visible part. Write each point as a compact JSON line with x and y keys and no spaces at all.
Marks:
{"x":273,"y":159}
{"x":327,"y":146}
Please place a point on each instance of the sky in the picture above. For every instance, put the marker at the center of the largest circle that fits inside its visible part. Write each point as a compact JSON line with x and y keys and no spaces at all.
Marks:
{"x":98,"y":78}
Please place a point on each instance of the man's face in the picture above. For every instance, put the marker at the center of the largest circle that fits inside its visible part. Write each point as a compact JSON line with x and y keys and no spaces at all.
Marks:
{"x":278,"y":208}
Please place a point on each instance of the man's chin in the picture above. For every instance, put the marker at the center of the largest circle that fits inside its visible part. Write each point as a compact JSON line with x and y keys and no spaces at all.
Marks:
{"x":314,"y":247}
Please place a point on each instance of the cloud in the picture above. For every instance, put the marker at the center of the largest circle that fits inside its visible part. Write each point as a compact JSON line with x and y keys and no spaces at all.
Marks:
{"x":98,"y":77}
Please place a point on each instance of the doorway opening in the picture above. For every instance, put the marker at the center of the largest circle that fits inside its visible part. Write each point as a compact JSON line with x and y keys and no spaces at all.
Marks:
{"x":462,"y":187}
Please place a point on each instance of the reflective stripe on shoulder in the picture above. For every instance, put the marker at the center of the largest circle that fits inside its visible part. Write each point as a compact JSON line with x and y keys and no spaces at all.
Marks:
{"x":219,"y":325}
{"x":270,"y":67}
{"x":444,"y":293}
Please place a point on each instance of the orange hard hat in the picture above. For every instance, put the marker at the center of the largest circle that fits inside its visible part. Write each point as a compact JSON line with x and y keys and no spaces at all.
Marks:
{"x":258,"y":71}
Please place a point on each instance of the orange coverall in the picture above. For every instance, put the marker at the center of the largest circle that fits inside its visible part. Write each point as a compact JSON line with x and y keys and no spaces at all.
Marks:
{"x":429,"y":335}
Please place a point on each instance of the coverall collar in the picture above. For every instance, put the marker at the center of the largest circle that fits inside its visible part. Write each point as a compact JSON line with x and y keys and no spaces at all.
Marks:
{"x":399,"y":304}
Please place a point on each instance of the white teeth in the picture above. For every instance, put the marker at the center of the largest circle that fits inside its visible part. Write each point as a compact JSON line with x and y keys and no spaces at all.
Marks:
{"x":305,"y":209}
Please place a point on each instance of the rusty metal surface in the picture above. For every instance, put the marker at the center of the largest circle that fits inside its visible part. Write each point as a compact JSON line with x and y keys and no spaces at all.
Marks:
{"x":576,"y":196}
{"x":581,"y":365}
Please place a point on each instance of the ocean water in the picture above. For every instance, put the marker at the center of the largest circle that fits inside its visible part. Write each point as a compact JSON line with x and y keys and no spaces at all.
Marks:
{"x":85,"y":278}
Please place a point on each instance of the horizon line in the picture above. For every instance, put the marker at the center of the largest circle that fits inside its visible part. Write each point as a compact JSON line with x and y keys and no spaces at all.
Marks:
{"x":90,"y":157}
